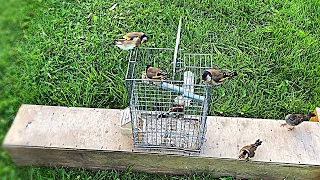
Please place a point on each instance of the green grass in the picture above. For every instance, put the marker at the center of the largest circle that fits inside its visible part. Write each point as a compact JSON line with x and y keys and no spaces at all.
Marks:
{"x":57,"y":53}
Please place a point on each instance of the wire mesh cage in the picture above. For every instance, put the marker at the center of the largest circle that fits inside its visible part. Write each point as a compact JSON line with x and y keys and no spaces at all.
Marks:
{"x":168,"y":113}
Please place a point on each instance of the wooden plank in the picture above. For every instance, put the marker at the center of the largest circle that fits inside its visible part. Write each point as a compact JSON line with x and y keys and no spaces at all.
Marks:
{"x":91,"y":138}
{"x":156,"y":163}
{"x":53,"y":126}
{"x":227,"y":135}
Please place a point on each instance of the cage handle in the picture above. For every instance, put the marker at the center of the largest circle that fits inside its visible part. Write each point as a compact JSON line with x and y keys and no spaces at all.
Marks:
{"x":176,"y":49}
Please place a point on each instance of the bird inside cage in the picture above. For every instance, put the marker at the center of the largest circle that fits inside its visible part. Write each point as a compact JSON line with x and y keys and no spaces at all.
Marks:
{"x":175,"y":112}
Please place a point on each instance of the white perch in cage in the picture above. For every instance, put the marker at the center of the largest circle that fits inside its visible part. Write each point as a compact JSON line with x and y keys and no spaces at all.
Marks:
{"x":188,"y":86}
{"x":187,"y":90}
{"x":181,"y":90}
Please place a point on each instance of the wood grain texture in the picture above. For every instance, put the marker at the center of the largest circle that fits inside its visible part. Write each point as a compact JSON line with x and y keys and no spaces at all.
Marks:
{"x":91,"y":138}
{"x":226,"y":136}
{"x":157,"y":163}
{"x":53,"y":126}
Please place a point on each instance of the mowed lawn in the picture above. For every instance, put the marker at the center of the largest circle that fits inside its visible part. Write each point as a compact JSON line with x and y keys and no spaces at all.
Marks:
{"x":59,"y":53}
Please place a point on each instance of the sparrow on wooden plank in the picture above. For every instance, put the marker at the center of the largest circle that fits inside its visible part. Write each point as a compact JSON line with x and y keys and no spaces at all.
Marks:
{"x":216,"y":77}
{"x":249,"y":151}
{"x":293,"y":120}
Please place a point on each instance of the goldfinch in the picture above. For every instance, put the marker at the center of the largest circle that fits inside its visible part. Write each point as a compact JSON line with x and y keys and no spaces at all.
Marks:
{"x":127,"y":44}
{"x":174,"y":111}
{"x":179,"y":109}
{"x":293,"y":120}
{"x":141,"y":35}
{"x":216,"y":77}
{"x":249,"y":151}
{"x":155,"y":73}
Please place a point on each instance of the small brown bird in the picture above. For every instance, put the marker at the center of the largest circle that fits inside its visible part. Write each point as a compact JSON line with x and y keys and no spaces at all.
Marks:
{"x":127,"y":44}
{"x":216,"y":77}
{"x":155,"y":73}
{"x":178,"y":108}
{"x":141,"y":35}
{"x":249,"y":151}
{"x":293,"y":120}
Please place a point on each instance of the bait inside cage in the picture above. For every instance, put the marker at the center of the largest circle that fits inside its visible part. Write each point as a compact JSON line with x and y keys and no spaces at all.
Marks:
{"x":170,"y":113}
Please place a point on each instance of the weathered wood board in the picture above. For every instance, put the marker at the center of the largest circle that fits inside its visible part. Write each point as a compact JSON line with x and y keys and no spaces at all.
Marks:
{"x":91,"y":138}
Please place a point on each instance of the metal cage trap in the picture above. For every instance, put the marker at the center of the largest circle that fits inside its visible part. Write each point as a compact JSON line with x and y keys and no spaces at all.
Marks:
{"x":171,"y":113}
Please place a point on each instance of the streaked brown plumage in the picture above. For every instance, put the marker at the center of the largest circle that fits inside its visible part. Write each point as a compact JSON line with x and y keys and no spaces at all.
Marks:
{"x":216,"y":77}
{"x":249,"y":151}
{"x":293,"y":120}
{"x":155,"y":73}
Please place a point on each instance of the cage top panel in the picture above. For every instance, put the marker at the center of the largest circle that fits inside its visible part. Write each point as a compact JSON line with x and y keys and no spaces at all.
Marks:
{"x":162,"y":58}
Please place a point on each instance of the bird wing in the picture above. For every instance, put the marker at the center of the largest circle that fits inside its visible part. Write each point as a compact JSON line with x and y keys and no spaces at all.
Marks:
{"x":252,"y":152}
{"x":124,"y":42}
{"x":299,"y":119}
{"x":151,"y":71}
{"x":217,"y":75}
{"x":131,"y":35}
{"x":222,"y":79}
{"x":250,"y":149}
{"x":294,"y":119}
{"x":245,"y":148}
{"x":135,"y":41}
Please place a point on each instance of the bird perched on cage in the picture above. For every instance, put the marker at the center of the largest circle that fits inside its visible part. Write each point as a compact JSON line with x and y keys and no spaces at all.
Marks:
{"x":293,"y":120}
{"x":127,"y":44}
{"x":249,"y":151}
{"x":155,"y":73}
{"x":141,"y":35}
{"x":216,"y":77}
{"x":131,"y":40}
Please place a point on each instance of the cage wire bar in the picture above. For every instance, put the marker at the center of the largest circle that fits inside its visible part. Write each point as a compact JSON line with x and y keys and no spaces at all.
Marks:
{"x":168,"y":114}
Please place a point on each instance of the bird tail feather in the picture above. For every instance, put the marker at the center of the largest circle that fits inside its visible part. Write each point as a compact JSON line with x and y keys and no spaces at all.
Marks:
{"x":308,"y":116}
{"x":230,"y":74}
{"x":257,"y":143}
{"x":164,"y":74}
